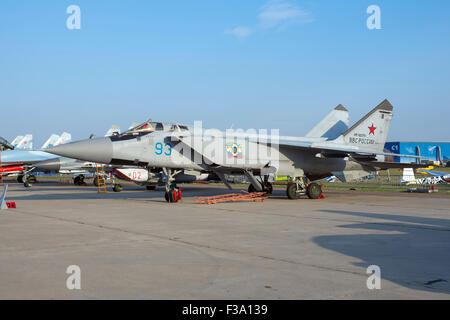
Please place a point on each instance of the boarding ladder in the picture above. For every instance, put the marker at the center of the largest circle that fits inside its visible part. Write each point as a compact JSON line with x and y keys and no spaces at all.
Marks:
{"x":101,"y":183}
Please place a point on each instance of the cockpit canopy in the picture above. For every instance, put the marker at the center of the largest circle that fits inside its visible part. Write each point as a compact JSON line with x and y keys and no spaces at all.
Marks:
{"x":151,"y":126}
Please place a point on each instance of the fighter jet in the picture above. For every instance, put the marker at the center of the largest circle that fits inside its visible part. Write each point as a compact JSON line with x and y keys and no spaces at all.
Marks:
{"x":353,"y":154}
{"x":23,"y":142}
{"x":335,"y":123}
{"x":20,"y":161}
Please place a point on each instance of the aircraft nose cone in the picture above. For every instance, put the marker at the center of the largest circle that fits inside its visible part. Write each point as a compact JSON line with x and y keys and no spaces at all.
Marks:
{"x":95,"y":150}
{"x":50,"y":165}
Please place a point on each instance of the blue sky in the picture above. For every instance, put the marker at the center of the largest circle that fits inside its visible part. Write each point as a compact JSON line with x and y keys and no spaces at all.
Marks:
{"x":253,"y":64}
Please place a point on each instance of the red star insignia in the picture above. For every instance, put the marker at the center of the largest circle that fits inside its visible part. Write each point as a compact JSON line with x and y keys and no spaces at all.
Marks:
{"x":372,"y":129}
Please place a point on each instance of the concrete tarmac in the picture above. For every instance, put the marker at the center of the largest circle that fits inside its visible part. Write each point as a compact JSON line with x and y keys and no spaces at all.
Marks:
{"x":134,"y":245}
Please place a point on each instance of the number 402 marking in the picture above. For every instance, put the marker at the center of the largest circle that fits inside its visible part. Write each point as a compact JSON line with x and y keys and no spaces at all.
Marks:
{"x":167,"y":149}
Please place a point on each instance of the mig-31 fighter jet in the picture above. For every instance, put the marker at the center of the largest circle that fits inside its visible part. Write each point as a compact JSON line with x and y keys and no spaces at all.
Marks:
{"x":353,"y":154}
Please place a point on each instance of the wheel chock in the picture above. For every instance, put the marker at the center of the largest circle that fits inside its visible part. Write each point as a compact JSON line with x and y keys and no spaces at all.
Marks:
{"x":321,"y":196}
{"x":11,"y":205}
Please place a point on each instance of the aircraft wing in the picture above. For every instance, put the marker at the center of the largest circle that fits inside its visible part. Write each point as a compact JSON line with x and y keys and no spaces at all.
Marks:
{"x":321,"y":151}
{"x":330,"y":151}
{"x":380,"y":165}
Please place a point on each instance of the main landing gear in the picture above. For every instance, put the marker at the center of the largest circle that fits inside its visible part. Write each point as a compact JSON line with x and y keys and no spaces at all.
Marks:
{"x":117,"y":187}
{"x":267,"y":187}
{"x":27,"y":180}
{"x":79,"y":180}
{"x":299,"y":188}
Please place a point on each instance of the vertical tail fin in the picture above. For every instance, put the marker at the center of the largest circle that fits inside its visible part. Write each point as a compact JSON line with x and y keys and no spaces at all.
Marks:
{"x":50,"y":141}
{"x":26,"y":143}
{"x":408,"y":175}
{"x":371,"y":131}
{"x":332,"y":126}
{"x":64,"y":138}
{"x":16,"y":141}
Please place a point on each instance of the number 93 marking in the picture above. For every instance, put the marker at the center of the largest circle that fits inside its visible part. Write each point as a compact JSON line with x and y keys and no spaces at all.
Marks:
{"x":160,"y":149}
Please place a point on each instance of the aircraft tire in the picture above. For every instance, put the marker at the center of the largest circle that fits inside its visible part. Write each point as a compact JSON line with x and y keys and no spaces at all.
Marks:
{"x":291,"y":191}
{"x":150,"y":188}
{"x":166,"y":196}
{"x":27,"y":184}
{"x":77,"y":181}
{"x":173,"y":195}
{"x":314,"y":191}
{"x":20,"y":178}
{"x":31,"y":178}
{"x":268,"y":188}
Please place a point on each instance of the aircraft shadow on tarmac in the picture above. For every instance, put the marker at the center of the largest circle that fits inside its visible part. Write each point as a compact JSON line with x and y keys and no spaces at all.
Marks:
{"x":416,"y":253}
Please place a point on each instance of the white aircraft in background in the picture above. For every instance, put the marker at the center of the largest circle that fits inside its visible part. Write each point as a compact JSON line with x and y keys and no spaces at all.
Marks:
{"x":51,"y":141}
{"x":23,"y":142}
{"x":20,"y":161}
{"x":437,"y":177}
{"x":16,"y":141}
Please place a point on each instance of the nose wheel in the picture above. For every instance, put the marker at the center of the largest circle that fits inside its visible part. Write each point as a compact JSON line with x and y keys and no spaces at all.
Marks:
{"x":173,"y":195}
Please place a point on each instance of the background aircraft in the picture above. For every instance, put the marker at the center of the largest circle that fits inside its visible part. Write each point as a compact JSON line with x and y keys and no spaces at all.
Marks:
{"x":16,"y":141}
{"x":437,"y":177}
{"x":20,"y":161}
{"x":23,"y":142}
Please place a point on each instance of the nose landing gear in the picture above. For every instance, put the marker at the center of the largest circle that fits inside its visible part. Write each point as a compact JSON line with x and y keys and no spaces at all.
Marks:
{"x":267,"y":187}
{"x":172,"y":194}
